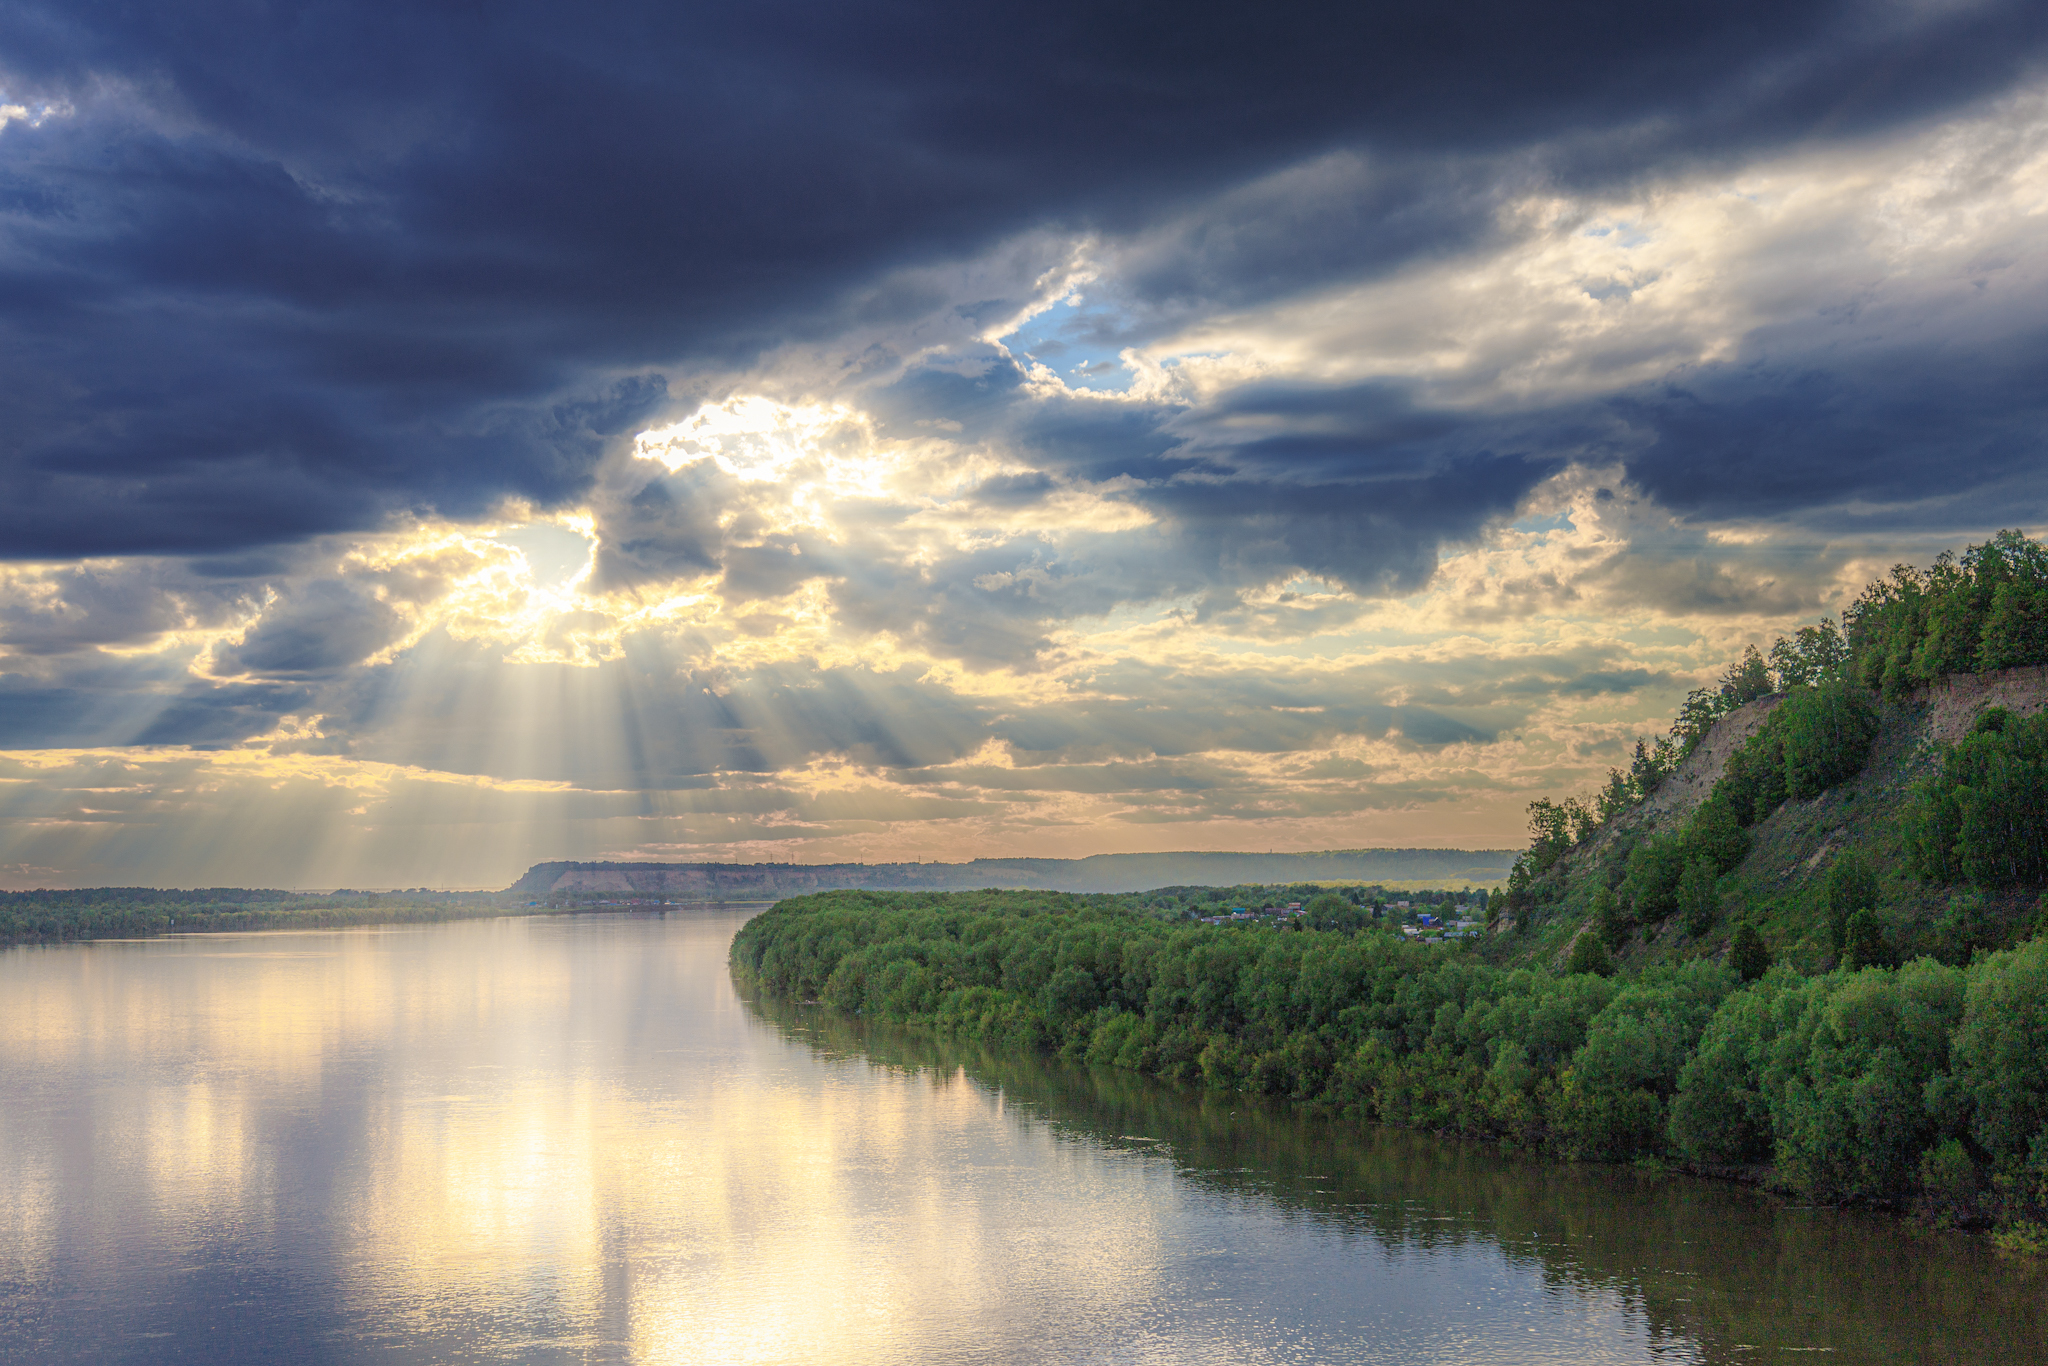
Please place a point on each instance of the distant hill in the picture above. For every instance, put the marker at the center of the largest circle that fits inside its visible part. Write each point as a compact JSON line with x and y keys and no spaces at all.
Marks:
{"x":1100,"y":873}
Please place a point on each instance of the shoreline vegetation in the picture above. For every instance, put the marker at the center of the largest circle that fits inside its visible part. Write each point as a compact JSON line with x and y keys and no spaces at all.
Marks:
{"x":1797,"y":942}
{"x":91,"y":913}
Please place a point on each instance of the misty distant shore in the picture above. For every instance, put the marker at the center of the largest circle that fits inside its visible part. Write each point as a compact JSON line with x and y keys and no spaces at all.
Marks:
{"x":1099,"y":873}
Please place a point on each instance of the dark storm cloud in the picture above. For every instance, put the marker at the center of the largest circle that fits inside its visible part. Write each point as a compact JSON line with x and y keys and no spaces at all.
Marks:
{"x":87,"y":605}
{"x":222,"y":716}
{"x":328,"y":626}
{"x":1949,"y":434}
{"x":272,"y":271}
{"x":147,"y":699}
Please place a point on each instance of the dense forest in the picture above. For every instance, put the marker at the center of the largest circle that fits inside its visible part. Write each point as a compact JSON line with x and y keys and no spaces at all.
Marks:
{"x":1860,"y":1016}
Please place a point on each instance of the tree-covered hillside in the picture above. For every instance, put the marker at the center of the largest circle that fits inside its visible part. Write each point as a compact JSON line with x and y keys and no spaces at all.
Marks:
{"x":1815,"y":810}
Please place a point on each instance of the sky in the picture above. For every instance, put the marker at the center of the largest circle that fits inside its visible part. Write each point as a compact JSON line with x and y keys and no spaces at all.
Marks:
{"x":438,"y":438}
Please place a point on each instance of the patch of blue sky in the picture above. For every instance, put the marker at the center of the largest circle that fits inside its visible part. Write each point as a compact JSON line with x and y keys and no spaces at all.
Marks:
{"x":1079,"y":342}
{"x":1625,"y":235}
{"x":1543,"y":526}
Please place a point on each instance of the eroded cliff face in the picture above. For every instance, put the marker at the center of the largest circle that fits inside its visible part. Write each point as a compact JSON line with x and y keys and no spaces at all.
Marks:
{"x":1944,"y":712}
{"x":1689,"y":785}
{"x":1778,"y":882}
{"x":1955,"y":703}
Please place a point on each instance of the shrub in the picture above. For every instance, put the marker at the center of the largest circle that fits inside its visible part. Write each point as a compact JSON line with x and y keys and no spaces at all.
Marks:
{"x":1650,"y":887}
{"x":1825,"y":734}
{"x":1747,"y":954}
{"x":2001,"y":1051}
{"x":1851,"y":887}
{"x":1984,"y":815}
{"x":1589,"y":955}
{"x":1698,"y":903}
{"x":1851,"y":1075}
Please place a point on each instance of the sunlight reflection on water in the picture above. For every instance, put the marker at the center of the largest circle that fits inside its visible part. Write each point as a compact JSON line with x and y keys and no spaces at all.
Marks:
{"x":566,"y":1139}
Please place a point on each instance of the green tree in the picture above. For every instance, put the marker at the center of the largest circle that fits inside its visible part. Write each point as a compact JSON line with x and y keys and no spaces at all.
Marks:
{"x":1609,"y":922}
{"x":1753,"y":780}
{"x":2001,"y":1052}
{"x":1864,"y":942}
{"x":1825,"y":734}
{"x":1328,"y":911}
{"x":1747,"y":953}
{"x":1521,"y":894}
{"x":1848,"y":1079}
{"x":1696,"y":716}
{"x":1698,"y":903}
{"x":1965,"y":926}
{"x":1650,"y":886}
{"x":1984,"y":815}
{"x":1815,"y":653}
{"x":1715,"y":834}
{"x":2016,"y":629}
{"x":1549,"y":834}
{"x":1614,"y":798}
{"x":1851,"y":887}
{"x":1581,"y":819}
{"x":1745,"y":680}
{"x":1070,"y":991}
{"x":1589,"y":955}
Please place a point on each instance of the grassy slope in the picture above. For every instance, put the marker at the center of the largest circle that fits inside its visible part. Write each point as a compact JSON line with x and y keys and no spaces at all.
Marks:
{"x":1780,"y":884}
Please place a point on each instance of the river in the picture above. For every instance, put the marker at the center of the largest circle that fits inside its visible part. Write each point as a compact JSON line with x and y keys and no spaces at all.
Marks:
{"x":566,"y":1139}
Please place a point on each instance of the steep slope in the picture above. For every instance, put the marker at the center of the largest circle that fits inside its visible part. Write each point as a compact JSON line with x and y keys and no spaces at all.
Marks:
{"x":1779,"y":886}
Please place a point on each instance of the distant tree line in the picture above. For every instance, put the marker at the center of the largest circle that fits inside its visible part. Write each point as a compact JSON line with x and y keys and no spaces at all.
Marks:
{"x":1921,"y":1083}
{"x":58,"y":916}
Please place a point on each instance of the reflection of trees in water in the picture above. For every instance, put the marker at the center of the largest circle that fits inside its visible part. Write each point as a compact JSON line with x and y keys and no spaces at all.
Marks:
{"x":1720,"y":1266}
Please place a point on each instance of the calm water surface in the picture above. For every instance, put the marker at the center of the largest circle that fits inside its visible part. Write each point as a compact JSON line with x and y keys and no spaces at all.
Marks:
{"x":567,"y":1140}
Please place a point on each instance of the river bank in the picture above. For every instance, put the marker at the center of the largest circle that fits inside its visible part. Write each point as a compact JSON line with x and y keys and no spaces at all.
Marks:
{"x":1733,"y":1268}
{"x":1905,"y":1088}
